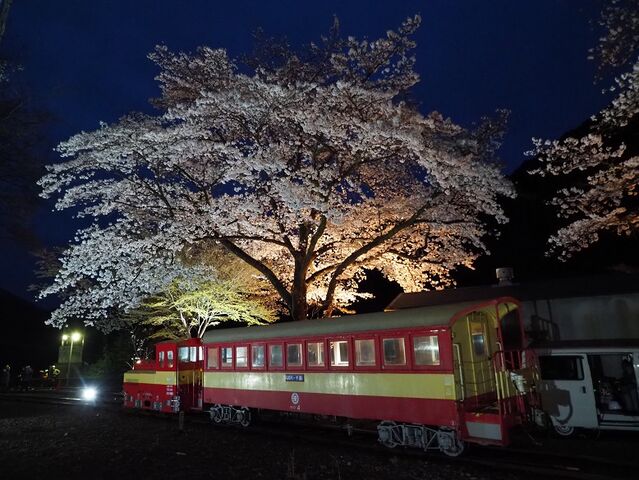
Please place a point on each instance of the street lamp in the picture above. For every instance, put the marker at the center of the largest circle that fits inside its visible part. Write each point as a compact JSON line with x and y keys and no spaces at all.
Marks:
{"x":75,"y":337}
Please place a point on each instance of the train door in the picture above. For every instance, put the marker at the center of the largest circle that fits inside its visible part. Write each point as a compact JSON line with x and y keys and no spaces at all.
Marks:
{"x":458,"y":365}
{"x":566,"y":392}
{"x":473,"y":356}
{"x":190,"y":363}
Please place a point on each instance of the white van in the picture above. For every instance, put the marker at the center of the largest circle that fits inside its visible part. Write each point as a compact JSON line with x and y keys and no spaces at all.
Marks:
{"x":590,"y":384}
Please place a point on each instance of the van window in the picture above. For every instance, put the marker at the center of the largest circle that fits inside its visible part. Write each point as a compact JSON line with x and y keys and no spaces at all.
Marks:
{"x":212,"y":360}
{"x":339,"y":353}
{"x":315,"y":354}
{"x":257,"y":356}
{"x":294,"y":355}
{"x":394,"y":351}
{"x":227,"y":357}
{"x":241,"y":357}
{"x":426,"y":350}
{"x":275,"y":356}
{"x":561,"y":367}
{"x":365,"y":352}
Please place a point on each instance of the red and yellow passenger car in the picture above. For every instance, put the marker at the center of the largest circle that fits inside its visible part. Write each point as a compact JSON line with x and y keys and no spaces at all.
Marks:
{"x":431,"y":377}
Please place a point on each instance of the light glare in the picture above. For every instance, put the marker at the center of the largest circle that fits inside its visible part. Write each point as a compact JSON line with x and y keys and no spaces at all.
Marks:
{"x":89,"y":393}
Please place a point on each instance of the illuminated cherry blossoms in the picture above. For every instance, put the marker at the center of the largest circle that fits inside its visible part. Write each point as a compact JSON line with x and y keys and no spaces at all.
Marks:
{"x":607,"y":199}
{"x":309,"y":166}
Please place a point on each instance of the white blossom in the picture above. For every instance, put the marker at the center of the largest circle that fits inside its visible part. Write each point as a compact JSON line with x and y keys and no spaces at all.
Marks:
{"x":311,"y":170}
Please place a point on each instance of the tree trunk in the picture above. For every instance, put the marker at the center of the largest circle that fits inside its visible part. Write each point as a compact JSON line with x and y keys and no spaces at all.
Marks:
{"x":299,"y":306}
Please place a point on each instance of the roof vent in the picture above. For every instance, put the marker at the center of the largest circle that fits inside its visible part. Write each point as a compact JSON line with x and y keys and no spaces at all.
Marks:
{"x":505,"y":275}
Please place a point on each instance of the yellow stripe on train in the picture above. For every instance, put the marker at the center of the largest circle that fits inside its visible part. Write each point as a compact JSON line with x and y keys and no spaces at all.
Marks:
{"x":405,"y":385}
{"x":152,"y":377}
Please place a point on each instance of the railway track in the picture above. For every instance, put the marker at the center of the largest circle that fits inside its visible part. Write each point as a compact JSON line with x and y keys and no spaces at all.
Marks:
{"x":532,"y":463}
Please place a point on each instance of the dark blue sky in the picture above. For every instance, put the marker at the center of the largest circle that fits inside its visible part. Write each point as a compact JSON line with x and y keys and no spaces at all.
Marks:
{"x":85,"y":62}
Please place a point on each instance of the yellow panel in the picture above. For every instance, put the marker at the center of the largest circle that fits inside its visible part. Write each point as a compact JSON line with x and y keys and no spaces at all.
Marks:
{"x":405,"y":385}
{"x":153,"y":378}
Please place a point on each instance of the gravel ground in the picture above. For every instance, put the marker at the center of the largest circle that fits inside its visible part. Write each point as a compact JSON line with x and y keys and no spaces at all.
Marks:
{"x":48,"y":442}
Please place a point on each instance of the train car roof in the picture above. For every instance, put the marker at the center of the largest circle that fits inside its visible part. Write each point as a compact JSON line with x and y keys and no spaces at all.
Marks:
{"x":434,"y":316}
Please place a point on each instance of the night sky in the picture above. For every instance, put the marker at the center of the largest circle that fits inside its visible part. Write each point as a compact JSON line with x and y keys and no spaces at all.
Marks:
{"x":85,"y":62}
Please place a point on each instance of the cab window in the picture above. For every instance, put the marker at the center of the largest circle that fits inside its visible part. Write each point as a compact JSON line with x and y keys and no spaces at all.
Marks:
{"x":212,"y":360}
{"x":183,"y":354}
{"x":169,"y":358}
{"x":161,"y":359}
{"x":561,"y":367}
{"x":394,"y":351}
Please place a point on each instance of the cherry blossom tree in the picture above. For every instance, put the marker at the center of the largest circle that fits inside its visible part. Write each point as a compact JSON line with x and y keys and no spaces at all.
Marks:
{"x":187,"y":308}
{"x":603,"y":163}
{"x":310,"y":166}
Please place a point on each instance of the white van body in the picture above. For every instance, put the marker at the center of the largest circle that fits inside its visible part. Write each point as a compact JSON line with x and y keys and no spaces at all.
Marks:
{"x":590,"y":384}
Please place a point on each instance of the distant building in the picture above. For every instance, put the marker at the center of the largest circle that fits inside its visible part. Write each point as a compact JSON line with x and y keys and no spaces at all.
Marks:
{"x":580,"y":308}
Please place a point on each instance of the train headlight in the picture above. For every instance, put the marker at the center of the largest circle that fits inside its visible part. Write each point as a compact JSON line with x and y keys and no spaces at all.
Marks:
{"x":89,"y":394}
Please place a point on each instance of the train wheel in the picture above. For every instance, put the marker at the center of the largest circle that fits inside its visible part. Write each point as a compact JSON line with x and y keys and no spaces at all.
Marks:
{"x":385,"y":433}
{"x":216,"y":413}
{"x":244,"y":417}
{"x":449,"y":443}
{"x":564,"y":430}
{"x":455,"y":449}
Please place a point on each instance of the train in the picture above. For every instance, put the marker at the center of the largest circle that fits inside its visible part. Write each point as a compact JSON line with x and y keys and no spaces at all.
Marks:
{"x":434,"y":377}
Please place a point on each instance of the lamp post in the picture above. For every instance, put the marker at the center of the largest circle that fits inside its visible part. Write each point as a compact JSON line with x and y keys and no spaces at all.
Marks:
{"x":74,"y":337}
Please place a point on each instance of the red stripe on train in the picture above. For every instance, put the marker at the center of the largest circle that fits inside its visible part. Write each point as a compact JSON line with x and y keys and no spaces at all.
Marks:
{"x":413,"y":410}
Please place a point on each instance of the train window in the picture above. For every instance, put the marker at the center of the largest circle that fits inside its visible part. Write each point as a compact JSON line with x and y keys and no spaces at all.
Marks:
{"x":169,"y":358}
{"x":426,"y":350}
{"x":183,"y":354}
{"x":192,"y":354}
{"x":561,"y":367}
{"x":365,"y":352}
{"x":477,"y":336}
{"x":200,"y":353}
{"x":394,"y":351}
{"x":241,"y":357}
{"x":212,"y":360}
{"x":227,"y":357}
{"x":315,"y":354}
{"x":275,"y":353}
{"x":294,"y":355}
{"x":257,"y":356}
{"x":479,"y":343}
{"x":161,"y":359}
{"x":339,"y":353}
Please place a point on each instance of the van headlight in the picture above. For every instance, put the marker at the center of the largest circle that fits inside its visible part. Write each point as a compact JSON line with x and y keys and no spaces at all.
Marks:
{"x":89,"y":393}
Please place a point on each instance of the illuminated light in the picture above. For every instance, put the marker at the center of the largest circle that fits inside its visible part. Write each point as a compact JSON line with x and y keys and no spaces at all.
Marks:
{"x":89,"y":394}
{"x":65,"y":337}
{"x":75,"y":336}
